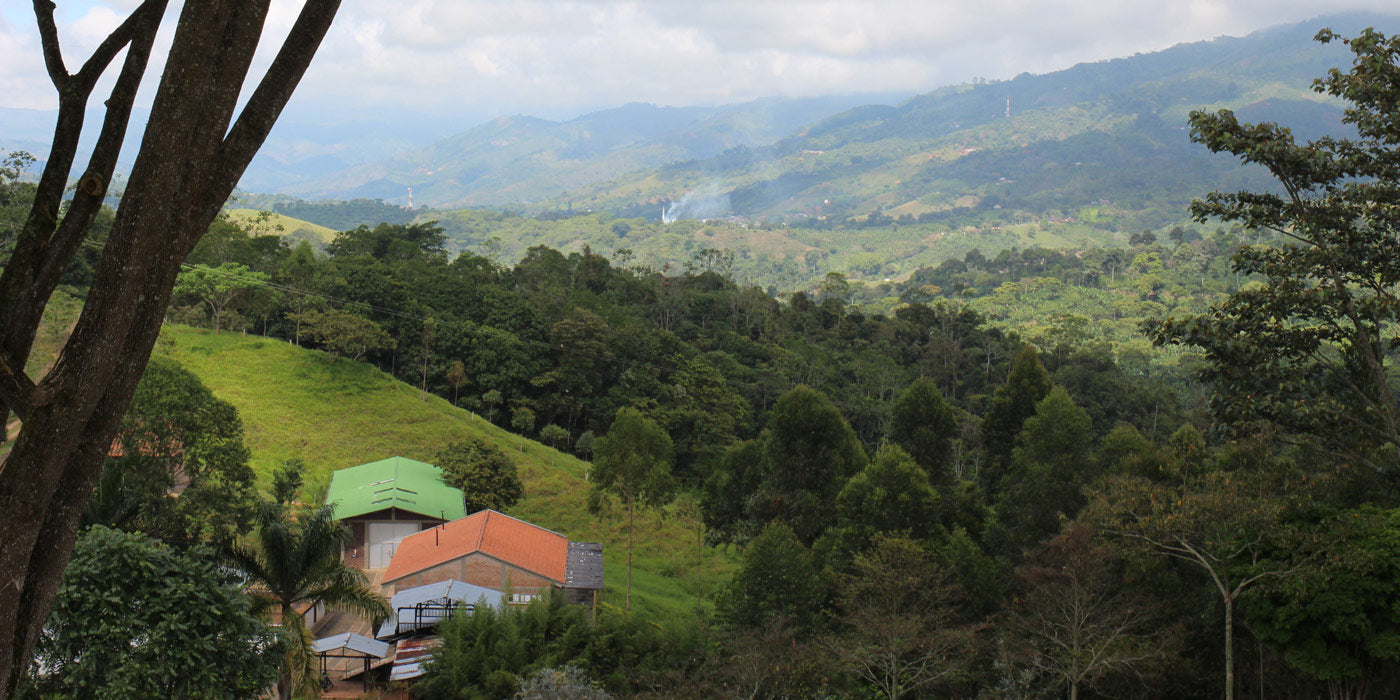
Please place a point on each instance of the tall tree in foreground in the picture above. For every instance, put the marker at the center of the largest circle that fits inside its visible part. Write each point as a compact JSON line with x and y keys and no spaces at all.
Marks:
{"x":193,"y":153}
{"x":633,"y":463}
{"x":294,"y":558}
{"x":1312,"y":347}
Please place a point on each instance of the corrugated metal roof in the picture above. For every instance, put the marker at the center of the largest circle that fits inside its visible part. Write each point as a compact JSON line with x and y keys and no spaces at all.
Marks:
{"x":353,"y":642}
{"x":585,"y":566}
{"x":397,"y":482}
{"x":448,"y":593}
{"x":411,"y":655}
{"x":511,"y":540}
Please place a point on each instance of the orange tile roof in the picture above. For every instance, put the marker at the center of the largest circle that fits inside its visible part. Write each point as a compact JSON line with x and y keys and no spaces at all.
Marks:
{"x":511,"y":540}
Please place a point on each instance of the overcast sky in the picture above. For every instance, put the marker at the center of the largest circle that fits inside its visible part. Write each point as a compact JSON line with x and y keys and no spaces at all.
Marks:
{"x":557,"y":59}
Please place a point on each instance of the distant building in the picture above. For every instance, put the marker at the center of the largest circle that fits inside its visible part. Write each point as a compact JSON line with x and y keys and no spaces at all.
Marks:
{"x":386,"y":501}
{"x":496,"y":551}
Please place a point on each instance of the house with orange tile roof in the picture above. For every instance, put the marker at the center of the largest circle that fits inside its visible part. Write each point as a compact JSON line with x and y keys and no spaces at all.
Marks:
{"x":493,"y":550}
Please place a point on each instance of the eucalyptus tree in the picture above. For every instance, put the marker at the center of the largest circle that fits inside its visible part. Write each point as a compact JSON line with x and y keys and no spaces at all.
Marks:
{"x":633,"y":463}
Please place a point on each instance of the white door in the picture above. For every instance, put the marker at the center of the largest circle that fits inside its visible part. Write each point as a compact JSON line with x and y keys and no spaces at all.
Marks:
{"x":384,"y":538}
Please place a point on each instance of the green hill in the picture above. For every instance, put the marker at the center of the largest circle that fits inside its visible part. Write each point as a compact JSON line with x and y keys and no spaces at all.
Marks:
{"x":339,"y":413}
{"x":282,"y":224}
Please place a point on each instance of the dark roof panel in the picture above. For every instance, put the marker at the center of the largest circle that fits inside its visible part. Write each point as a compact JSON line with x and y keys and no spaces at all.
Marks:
{"x":585,"y":566}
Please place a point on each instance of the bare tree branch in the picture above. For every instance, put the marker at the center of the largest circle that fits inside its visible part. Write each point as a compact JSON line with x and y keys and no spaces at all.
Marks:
{"x":272,"y":94}
{"x":48,"y":38}
{"x":92,"y":187}
{"x":137,"y":23}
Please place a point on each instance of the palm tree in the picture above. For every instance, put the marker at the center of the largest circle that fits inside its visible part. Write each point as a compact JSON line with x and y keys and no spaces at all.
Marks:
{"x":293,"y":559}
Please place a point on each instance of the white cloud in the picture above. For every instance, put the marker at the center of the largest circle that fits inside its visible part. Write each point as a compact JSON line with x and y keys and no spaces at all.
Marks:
{"x":560,"y":57}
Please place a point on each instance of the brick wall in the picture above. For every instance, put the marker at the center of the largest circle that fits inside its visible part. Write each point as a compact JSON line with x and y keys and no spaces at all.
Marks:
{"x":478,"y":569}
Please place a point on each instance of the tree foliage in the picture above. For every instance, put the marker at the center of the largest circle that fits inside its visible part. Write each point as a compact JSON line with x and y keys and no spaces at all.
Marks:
{"x":293,"y":558}
{"x":1010,"y":406}
{"x":1310,"y":347}
{"x":494,"y":653}
{"x":891,"y":495}
{"x":137,"y":619}
{"x":1081,"y":620}
{"x":343,"y":333}
{"x":1337,"y":620}
{"x":182,"y":471}
{"x":923,"y":424}
{"x":777,"y":583}
{"x":1230,"y":525}
{"x":486,"y":476}
{"x":902,"y":620}
{"x":810,"y":453}
{"x":223,"y":288}
{"x":1050,"y":464}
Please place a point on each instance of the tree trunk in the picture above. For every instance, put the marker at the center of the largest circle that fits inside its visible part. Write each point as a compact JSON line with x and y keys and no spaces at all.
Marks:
{"x":628,"y":605}
{"x":284,"y":673}
{"x":188,"y":163}
{"x":1229,"y":648}
{"x":699,"y":566}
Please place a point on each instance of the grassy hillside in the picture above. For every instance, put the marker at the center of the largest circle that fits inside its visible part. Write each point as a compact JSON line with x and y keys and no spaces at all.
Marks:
{"x":281,"y":223}
{"x":339,"y":413}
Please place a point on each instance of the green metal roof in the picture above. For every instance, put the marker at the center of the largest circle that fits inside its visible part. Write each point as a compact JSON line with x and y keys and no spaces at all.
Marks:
{"x":397,"y":482}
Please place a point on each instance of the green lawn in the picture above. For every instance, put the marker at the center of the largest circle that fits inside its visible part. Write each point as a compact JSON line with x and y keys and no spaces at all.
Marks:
{"x":340,"y":413}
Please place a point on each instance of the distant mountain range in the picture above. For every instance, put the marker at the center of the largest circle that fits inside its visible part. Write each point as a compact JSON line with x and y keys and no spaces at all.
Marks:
{"x":1113,"y":131}
{"x":521,"y":160}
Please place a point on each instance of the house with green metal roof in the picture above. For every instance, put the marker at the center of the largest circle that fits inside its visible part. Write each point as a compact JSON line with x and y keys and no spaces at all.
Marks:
{"x":385,"y":501}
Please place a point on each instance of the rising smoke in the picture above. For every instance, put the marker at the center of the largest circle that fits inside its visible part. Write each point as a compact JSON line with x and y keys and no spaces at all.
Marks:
{"x":708,"y":203}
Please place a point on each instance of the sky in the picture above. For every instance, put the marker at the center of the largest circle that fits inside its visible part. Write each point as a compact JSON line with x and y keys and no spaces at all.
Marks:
{"x":469,"y":60}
